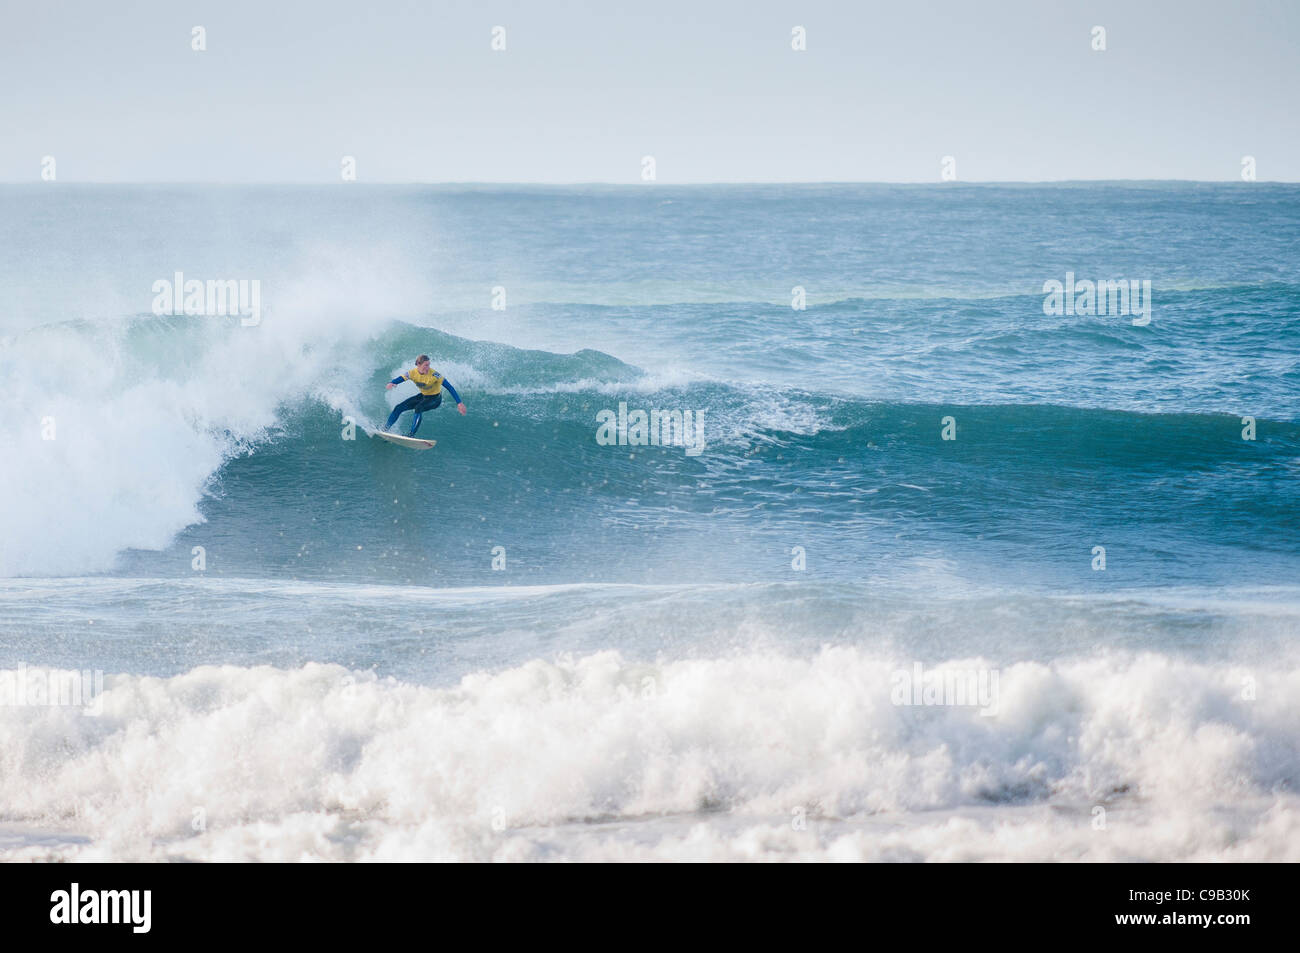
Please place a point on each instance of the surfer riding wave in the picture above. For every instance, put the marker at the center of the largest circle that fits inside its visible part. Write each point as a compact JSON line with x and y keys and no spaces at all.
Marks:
{"x":431,"y":384}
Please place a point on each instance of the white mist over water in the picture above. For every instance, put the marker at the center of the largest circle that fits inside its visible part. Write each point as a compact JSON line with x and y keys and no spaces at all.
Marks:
{"x":145,"y":410}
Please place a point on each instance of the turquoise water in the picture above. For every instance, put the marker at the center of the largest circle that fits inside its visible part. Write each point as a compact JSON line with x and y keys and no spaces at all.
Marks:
{"x":204,"y":503}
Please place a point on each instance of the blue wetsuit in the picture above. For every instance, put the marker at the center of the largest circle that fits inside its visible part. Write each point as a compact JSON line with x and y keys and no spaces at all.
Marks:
{"x":418,"y":403}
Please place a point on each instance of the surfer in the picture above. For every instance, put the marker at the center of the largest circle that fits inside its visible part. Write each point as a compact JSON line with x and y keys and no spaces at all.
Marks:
{"x":431,"y":384}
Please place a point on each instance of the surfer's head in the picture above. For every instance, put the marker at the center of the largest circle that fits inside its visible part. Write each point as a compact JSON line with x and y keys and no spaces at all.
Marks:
{"x":422,"y":363}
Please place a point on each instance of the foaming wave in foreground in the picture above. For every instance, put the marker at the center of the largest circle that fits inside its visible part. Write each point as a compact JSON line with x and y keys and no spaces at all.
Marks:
{"x":1115,"y":756}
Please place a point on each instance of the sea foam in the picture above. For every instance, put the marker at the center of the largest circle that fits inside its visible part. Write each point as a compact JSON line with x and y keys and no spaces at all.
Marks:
{"x":749,"y":756}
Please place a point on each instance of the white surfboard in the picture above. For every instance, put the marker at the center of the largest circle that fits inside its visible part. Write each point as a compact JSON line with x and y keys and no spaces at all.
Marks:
{"x":415,"y":443}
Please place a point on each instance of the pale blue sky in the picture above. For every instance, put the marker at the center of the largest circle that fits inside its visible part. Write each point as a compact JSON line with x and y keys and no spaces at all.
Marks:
{"x":1012,"y":90}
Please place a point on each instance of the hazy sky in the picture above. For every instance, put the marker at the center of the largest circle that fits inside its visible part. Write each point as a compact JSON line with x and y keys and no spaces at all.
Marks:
{"x":712,"y":90}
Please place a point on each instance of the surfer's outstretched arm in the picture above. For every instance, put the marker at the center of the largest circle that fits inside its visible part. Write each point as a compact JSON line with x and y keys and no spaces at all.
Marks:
{"x":460,"y":405}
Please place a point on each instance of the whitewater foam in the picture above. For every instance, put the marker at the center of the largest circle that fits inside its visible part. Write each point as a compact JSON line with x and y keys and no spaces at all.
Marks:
{"x":705,"y":757}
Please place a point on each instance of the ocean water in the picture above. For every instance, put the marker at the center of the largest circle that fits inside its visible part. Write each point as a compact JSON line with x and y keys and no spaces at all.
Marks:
{"x":530,"y":644}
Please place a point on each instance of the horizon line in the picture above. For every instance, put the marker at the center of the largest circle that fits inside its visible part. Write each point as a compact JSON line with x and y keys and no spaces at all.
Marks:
{"x":638,"y":184}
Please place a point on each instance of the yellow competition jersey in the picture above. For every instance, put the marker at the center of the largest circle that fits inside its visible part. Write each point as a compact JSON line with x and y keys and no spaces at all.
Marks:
{"x":429,"y":384}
